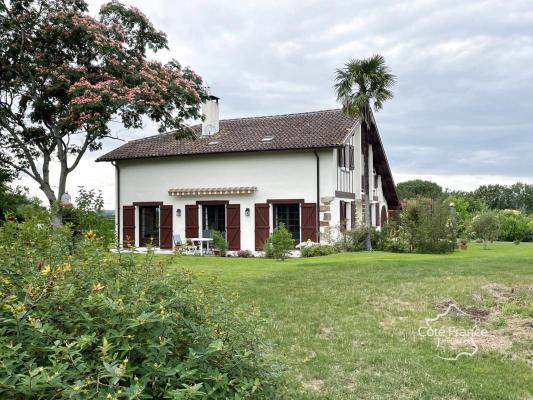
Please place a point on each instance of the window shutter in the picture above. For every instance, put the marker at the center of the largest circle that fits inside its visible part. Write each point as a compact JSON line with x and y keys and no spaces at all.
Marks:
{"x":233,"y":226}
{"x":191,"y":221}
{"x":340,"y":156}
{"x":262,"y":226}
{"x":343,"y":215}
{"x":353,"y":208}
{"x":308,"y":222}
{"x":383,"y":215}
{"x":128,"y":226}
{"x":352,"y":158}
{"x":165,"y":227}
{"x":377,"y":215}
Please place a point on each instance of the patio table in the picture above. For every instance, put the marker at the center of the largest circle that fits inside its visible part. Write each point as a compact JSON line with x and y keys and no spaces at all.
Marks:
{"x":200,"y":242}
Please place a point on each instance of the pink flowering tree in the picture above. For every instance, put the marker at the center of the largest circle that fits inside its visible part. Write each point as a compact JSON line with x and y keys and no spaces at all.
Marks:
{"x":65,"y":75}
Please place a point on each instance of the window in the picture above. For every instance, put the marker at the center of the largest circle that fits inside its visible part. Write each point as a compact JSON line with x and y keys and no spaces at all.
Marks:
{"x":345,"y":157}
{"x":289,"y":215}
{"x":376,"y":180}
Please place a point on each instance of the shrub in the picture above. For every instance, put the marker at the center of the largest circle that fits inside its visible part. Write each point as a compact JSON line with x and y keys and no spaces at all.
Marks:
{"x":317,"y":250}
{"x":78,"y":322}
{"x":245,"y":254}
{"x":422,"y":227}
{"x":355,"y":239}
{"x":279,"y":244}
{"x":88,"y":215}
{"x":485,"y":226}
{"x":513,"y":225}
{"x":219,"y":241}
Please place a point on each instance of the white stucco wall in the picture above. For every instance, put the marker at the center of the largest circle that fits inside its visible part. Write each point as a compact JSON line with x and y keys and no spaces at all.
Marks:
{"x":277,"y":175}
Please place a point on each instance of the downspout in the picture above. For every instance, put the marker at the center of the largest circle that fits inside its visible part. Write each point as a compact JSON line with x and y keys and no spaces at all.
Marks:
{"x":117,"y":207}
{"x":317,"y":196}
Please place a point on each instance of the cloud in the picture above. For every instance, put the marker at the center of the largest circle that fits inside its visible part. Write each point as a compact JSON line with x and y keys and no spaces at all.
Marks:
{"x":463,"y":101}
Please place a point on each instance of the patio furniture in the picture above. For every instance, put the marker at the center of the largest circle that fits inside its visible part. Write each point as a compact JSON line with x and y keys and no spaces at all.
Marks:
{"x":200,"y":243}
{"x":191,"y":249}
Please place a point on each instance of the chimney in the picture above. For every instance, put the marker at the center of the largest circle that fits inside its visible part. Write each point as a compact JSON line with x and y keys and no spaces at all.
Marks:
{"x":210,"y":112}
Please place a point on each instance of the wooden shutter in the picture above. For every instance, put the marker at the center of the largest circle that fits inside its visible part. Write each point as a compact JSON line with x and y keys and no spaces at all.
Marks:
{"x":352,"y":159}
{"x":233,"y":226}
{"x":340,"y":156}
{"x":353,"y":216}
{"x":343,"y":215}
{"x":191,"y":221}
{"x":377,"y":215}
{"x":128,"y":226}
{"x":308,"y":222}
{"x":383,"y":215}
{"x":262,"y":226}
{"x":165,"y":227}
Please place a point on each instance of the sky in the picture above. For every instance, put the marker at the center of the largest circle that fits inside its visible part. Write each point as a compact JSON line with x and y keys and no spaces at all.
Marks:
{"x":462,"y":112}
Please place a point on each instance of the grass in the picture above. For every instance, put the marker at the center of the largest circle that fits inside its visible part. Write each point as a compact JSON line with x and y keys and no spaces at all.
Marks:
{"x":347,"y":324}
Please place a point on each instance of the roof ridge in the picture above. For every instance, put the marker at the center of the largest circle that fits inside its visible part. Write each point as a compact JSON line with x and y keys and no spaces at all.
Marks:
{"x":283,"y":115}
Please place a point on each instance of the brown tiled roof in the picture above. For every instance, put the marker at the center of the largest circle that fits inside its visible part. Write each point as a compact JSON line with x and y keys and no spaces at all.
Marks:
{"x":291,"y":131}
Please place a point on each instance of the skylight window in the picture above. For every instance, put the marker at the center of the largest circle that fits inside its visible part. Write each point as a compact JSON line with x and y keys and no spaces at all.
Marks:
{"x":267,"y":139}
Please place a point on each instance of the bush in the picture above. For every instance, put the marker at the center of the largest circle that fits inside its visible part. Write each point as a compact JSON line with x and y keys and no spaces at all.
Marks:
{"x":355,"y":239}
{"x":245,"y":254}
{"x":78,"y":322}
{"x":513,"y":225}
{"x":88,"y":215}
{"x":219,"y":241}
{"x":423,"y":227}
{"x":485,"y":226}
{"x":317,"y":250}
{"x":279,"y":244}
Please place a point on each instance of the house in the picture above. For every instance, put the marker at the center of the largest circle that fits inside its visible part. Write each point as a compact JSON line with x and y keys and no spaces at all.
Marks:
{"x":315,"y":172}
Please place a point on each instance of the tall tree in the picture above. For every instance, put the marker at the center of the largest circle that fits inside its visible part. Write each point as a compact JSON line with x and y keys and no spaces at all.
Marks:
{"x":419,"y":188}
{"x":359,"y":85}
{"x":65,"y":75}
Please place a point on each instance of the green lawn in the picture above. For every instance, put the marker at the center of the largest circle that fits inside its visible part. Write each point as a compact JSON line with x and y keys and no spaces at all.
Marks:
{"x":347,"y":325}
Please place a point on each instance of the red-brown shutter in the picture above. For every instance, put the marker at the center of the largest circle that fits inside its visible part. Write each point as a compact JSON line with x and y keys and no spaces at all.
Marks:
{"x":352,"y":157}
{"x":308,"y":222}
{"x":128,"y":226}
{"x":377,"y":215}
{"x":191,"y":221}
{"x":383,"y":215}
{"x":165,"y":227}
{"x":342,"y":215}
{"x":353,"y":216}
{"x":262,"y":226}
{"x":233,"y":226}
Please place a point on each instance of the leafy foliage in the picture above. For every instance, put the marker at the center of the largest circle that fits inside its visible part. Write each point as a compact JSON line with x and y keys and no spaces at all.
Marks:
{"x":513,"y":225}
{"x":362,"y":82}
{"x":485,"y":226}
{"x":65,"y":75}
{"x":355,"y":239}
{"x":422,"y":227}
{"x":279,"y":244}
{"x":219,"y":241}
{"x":317,"y":250}
{"x":88,"y":216}
{"x":419,"y":188}
{"x":79,"y":323}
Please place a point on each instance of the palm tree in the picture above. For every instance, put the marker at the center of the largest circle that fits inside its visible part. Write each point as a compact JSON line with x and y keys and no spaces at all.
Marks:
{"x":358,"y":85}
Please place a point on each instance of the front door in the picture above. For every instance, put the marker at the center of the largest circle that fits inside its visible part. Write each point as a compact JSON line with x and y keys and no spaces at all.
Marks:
{"x":148,"y":226}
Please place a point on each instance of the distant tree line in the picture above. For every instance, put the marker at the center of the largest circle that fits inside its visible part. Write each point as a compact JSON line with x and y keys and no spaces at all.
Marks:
{"x":518,"y":196}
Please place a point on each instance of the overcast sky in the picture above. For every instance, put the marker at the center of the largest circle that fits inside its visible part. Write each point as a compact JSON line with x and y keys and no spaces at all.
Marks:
{"x":462,"y":114}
